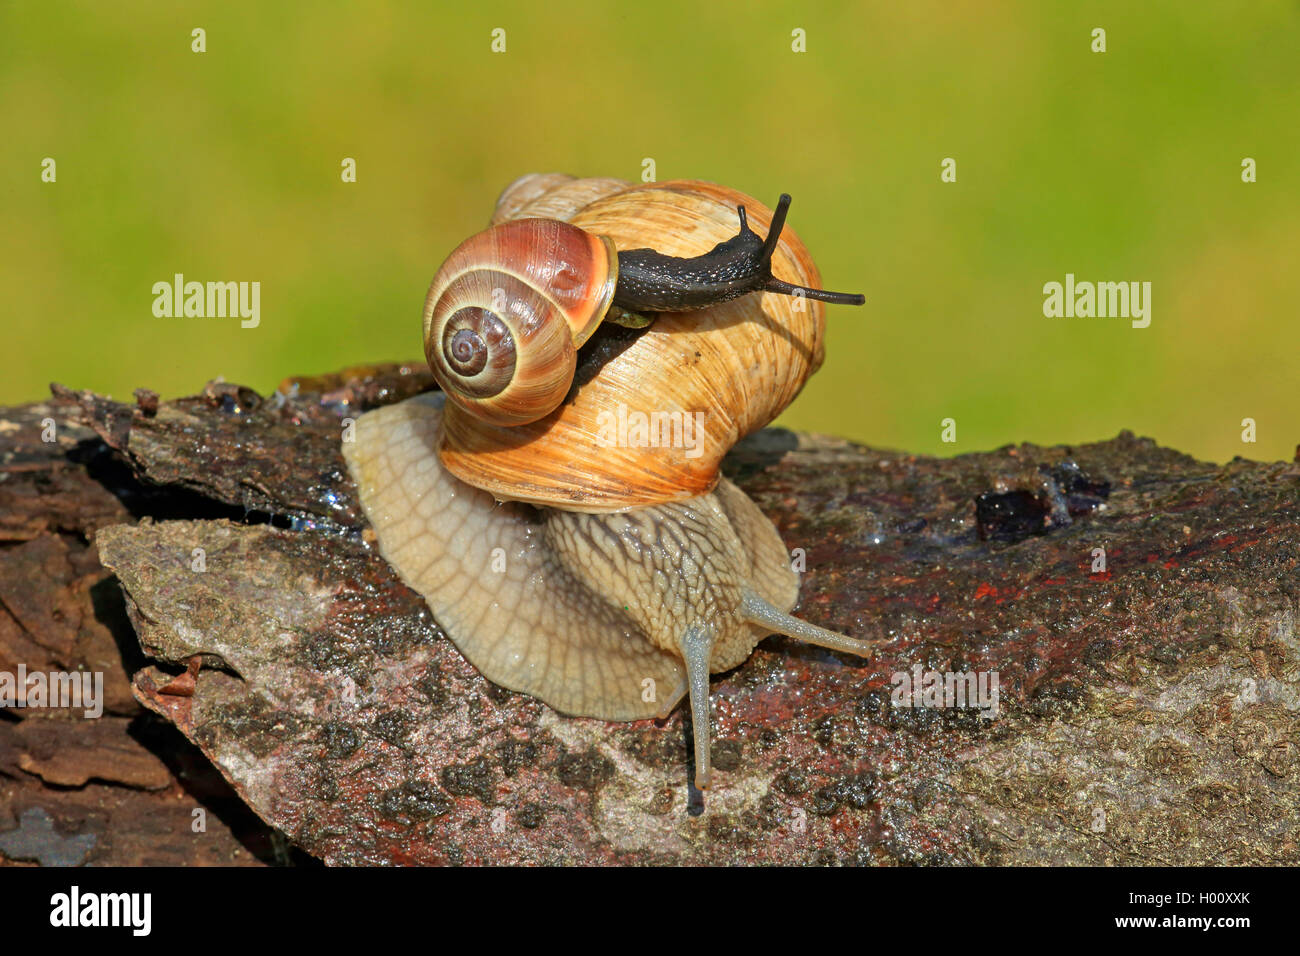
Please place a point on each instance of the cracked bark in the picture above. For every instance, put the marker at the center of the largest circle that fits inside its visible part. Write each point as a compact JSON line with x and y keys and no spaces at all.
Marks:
{"x":1146,"y":712}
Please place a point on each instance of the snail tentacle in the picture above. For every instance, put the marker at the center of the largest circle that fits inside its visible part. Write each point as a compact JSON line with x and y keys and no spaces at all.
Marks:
{"x":697,"y":654}
{"x":821,"y":295}
{"x":757,"y":611}
{"x":774,"y":230}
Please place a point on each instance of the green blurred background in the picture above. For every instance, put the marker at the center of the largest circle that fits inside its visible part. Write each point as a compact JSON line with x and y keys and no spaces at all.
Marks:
{"x":1125,"y":165}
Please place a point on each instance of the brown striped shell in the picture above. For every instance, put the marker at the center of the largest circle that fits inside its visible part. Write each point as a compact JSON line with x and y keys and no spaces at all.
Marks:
{"x":652,"y":412}
{"x":508,"y":310}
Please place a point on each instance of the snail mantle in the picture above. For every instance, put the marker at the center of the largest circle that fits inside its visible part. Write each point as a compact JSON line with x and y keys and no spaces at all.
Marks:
{"x":1145,"y":713}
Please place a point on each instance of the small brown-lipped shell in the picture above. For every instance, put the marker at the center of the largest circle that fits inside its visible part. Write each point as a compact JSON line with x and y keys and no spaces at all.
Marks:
{"x":652,"y":413}
{"x":508,"y":310}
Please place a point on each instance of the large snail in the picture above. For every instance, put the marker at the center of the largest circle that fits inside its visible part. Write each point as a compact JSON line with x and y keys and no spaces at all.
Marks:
{"x":603,"y":567}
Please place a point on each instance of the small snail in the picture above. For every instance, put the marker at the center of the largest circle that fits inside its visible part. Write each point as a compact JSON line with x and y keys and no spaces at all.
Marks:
{"x":606,"y":570}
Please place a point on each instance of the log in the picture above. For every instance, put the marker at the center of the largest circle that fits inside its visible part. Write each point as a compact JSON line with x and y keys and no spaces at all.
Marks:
{"x":125,"y":788}
{"x":1137,"y":608}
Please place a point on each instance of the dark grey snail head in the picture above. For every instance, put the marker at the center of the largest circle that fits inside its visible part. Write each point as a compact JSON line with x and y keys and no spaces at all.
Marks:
{"x":649,"y":281}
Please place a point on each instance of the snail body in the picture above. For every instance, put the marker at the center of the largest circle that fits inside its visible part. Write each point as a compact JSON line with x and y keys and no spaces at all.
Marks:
{"x":607,"y":579}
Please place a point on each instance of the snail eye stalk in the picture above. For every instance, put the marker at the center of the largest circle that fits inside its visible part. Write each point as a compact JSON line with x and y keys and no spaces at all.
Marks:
{"x":774,"y":231}
{"x":774,"y":284}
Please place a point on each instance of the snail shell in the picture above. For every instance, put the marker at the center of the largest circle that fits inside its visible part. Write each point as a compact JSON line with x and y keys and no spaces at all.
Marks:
{"x":507,"y":312}
{"x":738,"y":363}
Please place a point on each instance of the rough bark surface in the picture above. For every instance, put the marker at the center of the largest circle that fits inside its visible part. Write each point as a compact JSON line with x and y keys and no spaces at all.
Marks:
{"x":125,"y":788}
{"x":1146,"y":712}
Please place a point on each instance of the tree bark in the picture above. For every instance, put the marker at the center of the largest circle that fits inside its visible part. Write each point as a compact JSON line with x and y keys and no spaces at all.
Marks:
{"x":1137,"y":607}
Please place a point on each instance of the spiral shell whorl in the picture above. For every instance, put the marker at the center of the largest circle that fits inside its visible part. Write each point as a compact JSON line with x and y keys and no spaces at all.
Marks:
{"x":507,"y":311}
{"x":474,"y":342}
